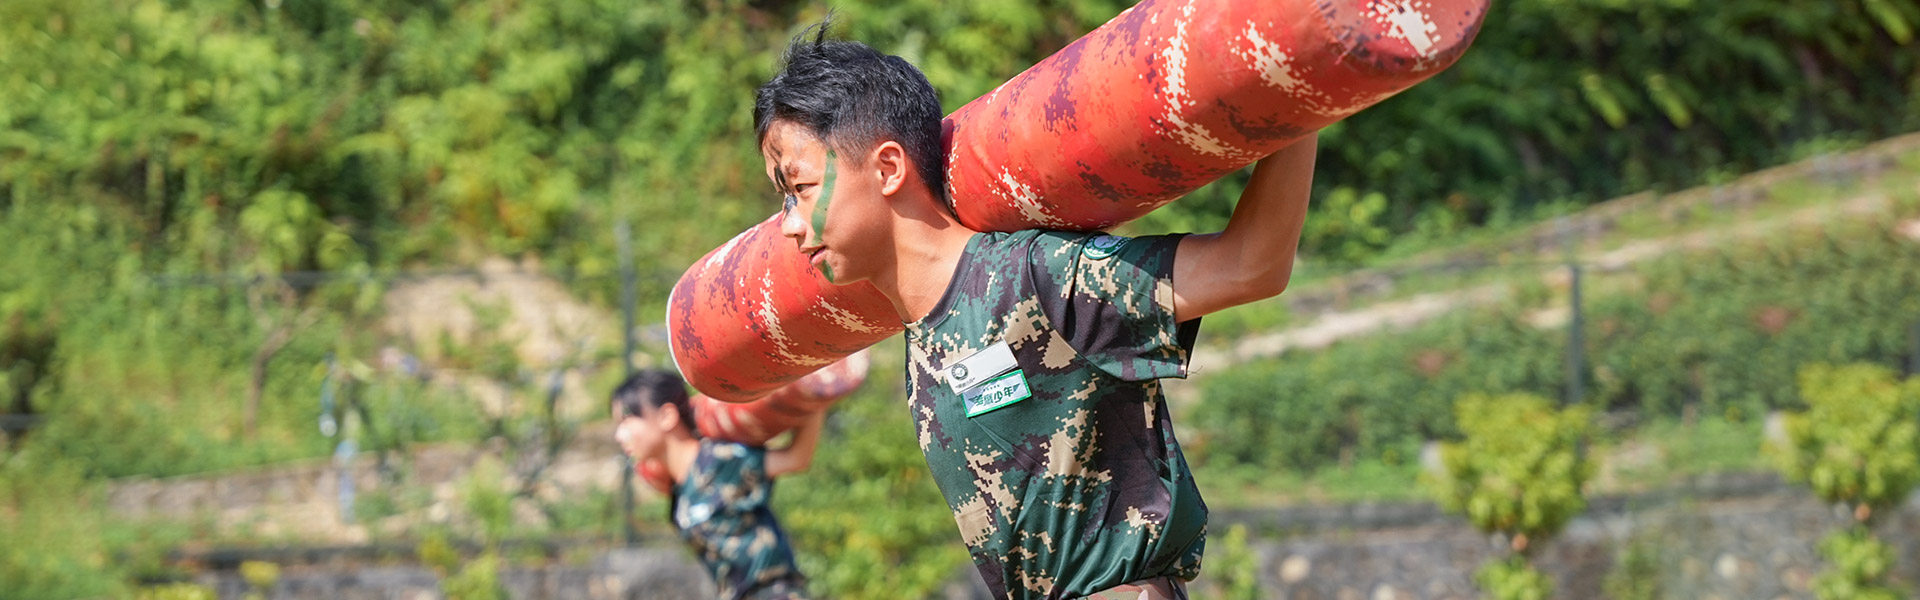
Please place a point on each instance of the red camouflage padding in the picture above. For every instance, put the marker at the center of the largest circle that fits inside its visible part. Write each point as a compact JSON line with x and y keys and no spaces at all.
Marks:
{"x":1172,"y":95}
{"x":1166,"y":97}
{"x":753,"y":315}
{"x":786,"y":408}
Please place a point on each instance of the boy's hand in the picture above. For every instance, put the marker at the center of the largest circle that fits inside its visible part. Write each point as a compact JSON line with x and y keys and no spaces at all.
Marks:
{"x":1253,"y":258}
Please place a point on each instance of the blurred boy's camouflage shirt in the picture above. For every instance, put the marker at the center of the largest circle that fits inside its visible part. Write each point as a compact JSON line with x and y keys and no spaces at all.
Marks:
{"x":1081,"y":486}
{"x":721,"y":509}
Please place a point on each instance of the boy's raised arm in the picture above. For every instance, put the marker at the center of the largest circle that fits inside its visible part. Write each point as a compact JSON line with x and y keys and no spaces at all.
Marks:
{"x":1253,"y":258}
{"x":798,"y":455}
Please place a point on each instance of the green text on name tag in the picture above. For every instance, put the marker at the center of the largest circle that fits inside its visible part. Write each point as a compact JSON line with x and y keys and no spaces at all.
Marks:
{"x":995,"y":393}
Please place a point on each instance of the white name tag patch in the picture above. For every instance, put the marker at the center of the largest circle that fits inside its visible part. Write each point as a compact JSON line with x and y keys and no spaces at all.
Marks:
{"x":982,"y":366}
{"x":695,"y":515}
{"x":988,"y":380}
{"x":995,"y":393}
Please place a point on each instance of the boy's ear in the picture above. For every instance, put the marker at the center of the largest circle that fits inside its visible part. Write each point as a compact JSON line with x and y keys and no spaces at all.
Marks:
{"x":891,"y":165}
{"x":668,"y":414}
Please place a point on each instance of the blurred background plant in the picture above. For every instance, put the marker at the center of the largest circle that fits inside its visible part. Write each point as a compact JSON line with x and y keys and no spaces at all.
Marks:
{"x":1520,"y":472}
{"x":1857,"y":444}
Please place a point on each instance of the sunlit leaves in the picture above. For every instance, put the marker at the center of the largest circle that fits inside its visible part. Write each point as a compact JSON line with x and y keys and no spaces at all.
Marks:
{"x":1585,"y":100}
{"x":1520,"y":469}
{"x":1858,"y":443}
{"x":1859,"y":440}
{"x":1858,"y":568}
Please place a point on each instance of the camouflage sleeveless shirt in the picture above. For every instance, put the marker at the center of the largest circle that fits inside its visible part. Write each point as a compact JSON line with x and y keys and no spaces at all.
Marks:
{"x":722,"y":510}
{"x":1033,"y":384}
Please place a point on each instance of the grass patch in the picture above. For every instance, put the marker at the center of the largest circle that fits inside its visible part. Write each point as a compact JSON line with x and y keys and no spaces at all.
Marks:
{"x":1364,"y":481}
{"x":1653,"y":455}
{"x":1669,"y":450}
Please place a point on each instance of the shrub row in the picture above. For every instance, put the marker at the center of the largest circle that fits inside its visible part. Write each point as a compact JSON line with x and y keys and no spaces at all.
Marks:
{"x":1722,"y":332}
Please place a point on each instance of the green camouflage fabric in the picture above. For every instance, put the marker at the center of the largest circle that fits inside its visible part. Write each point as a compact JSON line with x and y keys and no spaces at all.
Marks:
{"x":722,"y":511}
{"x":1080,"y":487}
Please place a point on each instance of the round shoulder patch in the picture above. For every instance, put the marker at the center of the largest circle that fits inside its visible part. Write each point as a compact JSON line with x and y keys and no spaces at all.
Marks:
{"x":1102,"y":246}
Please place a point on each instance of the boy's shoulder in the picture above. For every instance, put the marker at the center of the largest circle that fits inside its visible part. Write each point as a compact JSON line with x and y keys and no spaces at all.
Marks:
{"x":1048,"y":246}
{"x":723,"y":450}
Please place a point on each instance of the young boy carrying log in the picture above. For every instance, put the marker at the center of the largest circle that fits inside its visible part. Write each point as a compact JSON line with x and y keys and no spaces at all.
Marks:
{"x":722,"y":492}
{"x":1034,"y":356}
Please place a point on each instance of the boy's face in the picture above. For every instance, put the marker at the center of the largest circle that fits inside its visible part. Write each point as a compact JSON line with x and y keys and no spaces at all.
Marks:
{"x":640,"y":436}
{"x":834,"y":211}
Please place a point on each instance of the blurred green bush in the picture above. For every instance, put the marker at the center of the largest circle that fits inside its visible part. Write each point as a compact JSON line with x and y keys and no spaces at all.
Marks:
{"x":347,"y":132}
{"x":1722,"y":332}
{"x":1520,"y":469}
{"x":1857,"y":444}
{"x":1520,"y":472}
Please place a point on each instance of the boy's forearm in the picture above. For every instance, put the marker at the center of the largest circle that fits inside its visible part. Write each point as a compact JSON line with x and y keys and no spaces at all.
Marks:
{"x":1253,"y":258}
{"x":798,"y":455}
{"x":807,"y":435}
{"x":1273,"y":208}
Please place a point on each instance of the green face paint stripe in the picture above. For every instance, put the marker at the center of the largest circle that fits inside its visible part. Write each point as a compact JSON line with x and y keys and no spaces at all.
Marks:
{"x":820,"y":209}
{"x":825,"y":198}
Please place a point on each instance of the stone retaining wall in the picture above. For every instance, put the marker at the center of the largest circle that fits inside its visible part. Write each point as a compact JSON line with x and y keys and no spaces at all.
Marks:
{"x":1735,"y":537}
{"x":1726,"y":537}
{"x":631,"y":574}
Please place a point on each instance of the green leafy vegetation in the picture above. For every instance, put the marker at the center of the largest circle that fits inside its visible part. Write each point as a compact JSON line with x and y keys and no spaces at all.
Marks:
{"x":1521,"y":468}
{"x":175,"y":591}
{"x":1233,"y":568}
{"x":1859,"y":562}
{"x":1857,"y":444}
{"x":1638,"y":572}
{"x":1533,"y":119}
{"x":55,"y":547}
{"x":1513,"y":579}
{"x":1717,"y":333}
{"x":1521,"y":472}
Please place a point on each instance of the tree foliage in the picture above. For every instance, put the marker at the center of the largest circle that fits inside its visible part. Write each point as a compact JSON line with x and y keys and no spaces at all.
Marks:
{"x":1520,"y":469}
{"x":1858,"y":442}
{"x":1575,"y":101}
{"x":1858,"y":565}
{"x":1520,"y":472}
{"x":1513,"y":579}
{"x":384,"y":131}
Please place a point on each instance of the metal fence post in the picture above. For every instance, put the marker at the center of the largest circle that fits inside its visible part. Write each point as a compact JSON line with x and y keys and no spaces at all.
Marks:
{"x":1576,"y":334}
{"x":1576,"y":338}
{"x":623,"y":235}
{"x":1913,"y":353}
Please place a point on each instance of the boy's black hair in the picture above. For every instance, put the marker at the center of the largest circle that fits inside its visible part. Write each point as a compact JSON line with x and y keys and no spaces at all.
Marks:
{"x":654,"y":388}
{"x":854,"y":97}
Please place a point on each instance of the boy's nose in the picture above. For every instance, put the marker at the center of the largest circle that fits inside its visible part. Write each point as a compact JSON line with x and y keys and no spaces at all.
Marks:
{"x":791,"y":225}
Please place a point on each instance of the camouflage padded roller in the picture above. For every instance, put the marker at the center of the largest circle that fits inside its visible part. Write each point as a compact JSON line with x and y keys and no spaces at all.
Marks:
{"x":1165,"y":98}
{"x":755,"y":422}
{"x":1172,"y":95}
{"x":753,"y":316}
